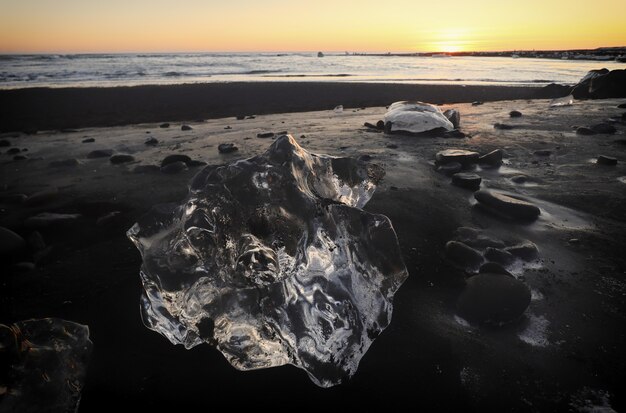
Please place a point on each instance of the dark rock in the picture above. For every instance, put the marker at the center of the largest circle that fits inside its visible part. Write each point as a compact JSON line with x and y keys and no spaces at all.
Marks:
{"x":465,"y":158}
{"x":143,"y":169}
{"x":19,"y":158}
{"x":464,"y":256}
{"x":10,"y":242}
{"x":493,"y":268}
{"x":365,"y":158}
{"x":553,"y":91}
{"x":601,"y":84}
{"x":186,"y":127}
{"x":499,"y":256}
{"x":164,"y":125}
{"x":100,"y":153}
{"x":88,"y":140}
{"x":42,"y":197}
{"x":241,"y":117}
{"x":543,"y":152}
{"x":49,"y":219}
{"x":477,"y":103}
{"x":493,"y":299}
{"x":4,"y":143}
{"x":151,"y":141}
{"x":454,"y":116}
{"x":175,"y":158}
{"x":466,"y":180}
{"x":174,"y":167}
{"x":450,"y":168}
{"x":227,"y":127}
{"x":502,"y":126}
{"x":380,"y":125}
{"x":265,"y":135}
{"x":455,"y":133}
{"x":605,"y":128}
{"x":519,"y":179}
{"x":527,"y":251}
{"x":622,"y":106}
{"x":392,"y":146}
{"x":121,"y":158}
{"x":493,"y":158}
{"x":13,"y":151}
{"x":507,"y":206}
{"x":515,"y":114}
{"x":584,"y":131}
{"x":227,"y":147}
{"x":369,"y":125}
{"x":65,"y":163}
{"x":606,"y":160}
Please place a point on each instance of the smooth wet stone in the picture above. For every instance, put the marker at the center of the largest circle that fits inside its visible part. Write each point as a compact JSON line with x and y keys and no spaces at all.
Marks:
{"x":450,"y":168}
{"x":49,"y":219}
{"x":121,"y":158}
{"x":584,"y":131}
{"x":606,"y":160}
{"x":622,"y":106}
{"x":10,"y":242}
{"x":519,"y":179}
{"x":476,"y":238}
{"x":13,"y":151}
{"x":100,"y":153}
{"x":415,"y":117}
{"x":464,"y":256}
{"x":465,"y":158}
{"x":507,"y":206}
{"x":604,"y":128}
{"x":493,"y":299}
{"x":503,"y":126}
{"x":466,"y":180}
{"x":493,"y":268}
{"x":477,"y":103}
{"x":454,"y":116}
{"x":19,"y":158}
{"x":42,"y":197}
{"x":174,"y":167}
{"x":152,"y":141}
{"x":175,"y":158}
{"x":66,"y":163}
{"x":515,"y":114}
{"x":265,"y":135}
{"x":240,"y":117}
{"x":370,"y":125}
{"x":4,"y":143}
{"x":186,"y":128}
{"x":543,"y":152}
{"x":527,"y":251}
{"x":493,"y":158}
{"x":227,"y":148}
{"x":380,"y":125}
{"x":88,"y":140}
{"x":499,"y":256}
{"x":164,"y":125}
{"x":144,"y":169}
{"x":454,"y":134}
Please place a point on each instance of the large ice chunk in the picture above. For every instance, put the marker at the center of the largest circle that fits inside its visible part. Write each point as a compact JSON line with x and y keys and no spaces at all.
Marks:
{"x":416,"y":117}
{"x":272,"y":260}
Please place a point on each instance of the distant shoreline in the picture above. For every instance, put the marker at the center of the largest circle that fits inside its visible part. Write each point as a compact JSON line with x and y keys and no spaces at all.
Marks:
{"x":33,"y":109}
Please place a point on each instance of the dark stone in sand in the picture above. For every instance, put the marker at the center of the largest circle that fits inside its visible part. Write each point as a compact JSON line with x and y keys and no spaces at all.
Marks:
{"x":606,"y":160}
{"x":450,"y":168}
{"x":265,"y":135}
{"x":164,"y":125}
{"x":502,"y":126}
{"x":493,"y":268}
{"x":365,"y":158}
{"x":553,"y":91}
{"x":42,"y":197}
{"x":605,"y":128}
{"x":464,"y":256}
{"x":515,"y":114}
{"x":185,"y":127}
{"x":227,"y":147}
{"x":392,"y":146}
{"x":493,"y":158}
{"x":251,"y":117}
{"x":142,"y":169}
{"x":174,"y":167}
{"x":193,"y":163}
{"x":13,"y":151}
{"x":151,"y":141}
{"x":543,"y":152}
{"x":477,"y":103}
{"x":65,"y":163}
{"x":380,"y":125}
{"x":465,"y":158}
{"x":369,"y":125}
{"x":507,"y":206}
{"x":10,"y":242}
{"x":48,"y":219}
{"x":175,"y":158}
{"x":227,"y":127}
{"x":19,"y":158}
{"x":100,"y":153}
{"x":584,"y":131}
{"x":493,"y":299}
{"x":4,"y":143}
{"x":601,"y":84}
{"x":519,"y":179}
{"x":455,"y":133}
{"x":527,"y":251}
{"x":466,"y":180}
{"x":476,"y":239}
{"x":89,"y":140}
{"x":622,"y":106}
{"x":240,"y":117}
{"x":499,"y":256}
{"x":121,"y":158}
{"x":454,"y":116}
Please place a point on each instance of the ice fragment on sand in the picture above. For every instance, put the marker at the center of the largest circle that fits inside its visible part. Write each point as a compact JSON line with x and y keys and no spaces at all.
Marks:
{"x":564,"y":101}
{"x":272,"y":260}
{"x":416,"y":117}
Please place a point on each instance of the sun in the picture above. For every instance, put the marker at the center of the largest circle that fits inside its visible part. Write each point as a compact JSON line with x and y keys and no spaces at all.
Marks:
{"x":450,"y":47}
{"x":448,"y":41}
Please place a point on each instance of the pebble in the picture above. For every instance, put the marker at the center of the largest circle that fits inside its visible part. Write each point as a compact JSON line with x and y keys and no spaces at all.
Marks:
{"x":265,"y":135}
{"x":466,"y":180}
{"x":493,"y":299}
{"x":100,"y":153}
{"x":502,"y":126}
{"x":10,"y":242}
{"x":151,"y":141}
{"x":622,"y":106}
{"x":227,"y":147}
{"x":499,"y":256}
{"x":240,"y":117}
{"x":519,"y":179}
{"x":454,"y":116}
{"x":186,"y":127}
{"x":175,"y":158}
{"x":464,"y":256}
{"x":527,"y":251}
{"x":493,"y":158}
{"x":369,"y":125}
{"x":584,"y":131}
{"x":4,"y":143}
{"x":477,"y":103}
{"x":465,"y":158}
{"x":380,"y":125}
{"x":89,"y":140}
{"x":174,"y":167}
{"x":515,"y":114}
{"x":507,"y":206}
{"x":19,"y":158}
{"x":164,"y":125}
{"x":450,"y":168}
{"x":606,"y":160}
{"x":121,"y":158}
{"x":13,"y":151}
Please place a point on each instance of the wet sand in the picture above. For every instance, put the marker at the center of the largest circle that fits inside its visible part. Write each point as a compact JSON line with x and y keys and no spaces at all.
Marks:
{"x":568,"y":347}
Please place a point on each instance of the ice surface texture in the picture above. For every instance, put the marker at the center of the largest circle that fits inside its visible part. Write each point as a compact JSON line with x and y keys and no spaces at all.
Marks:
{"x":272,"y":260}
{"x":416,"y":117}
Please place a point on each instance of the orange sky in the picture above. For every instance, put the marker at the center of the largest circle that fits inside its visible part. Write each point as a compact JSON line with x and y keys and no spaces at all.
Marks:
{"x":66,"y":26}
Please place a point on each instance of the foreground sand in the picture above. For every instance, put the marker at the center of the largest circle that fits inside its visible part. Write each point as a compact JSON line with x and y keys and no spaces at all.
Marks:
{"x":569,"y":347}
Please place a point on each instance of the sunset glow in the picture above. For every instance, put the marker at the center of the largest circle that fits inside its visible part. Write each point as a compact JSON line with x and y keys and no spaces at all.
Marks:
{"x":66,"y":26}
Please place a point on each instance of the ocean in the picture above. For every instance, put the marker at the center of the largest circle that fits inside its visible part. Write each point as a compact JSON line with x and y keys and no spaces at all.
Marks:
{"x":105,"y":70}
